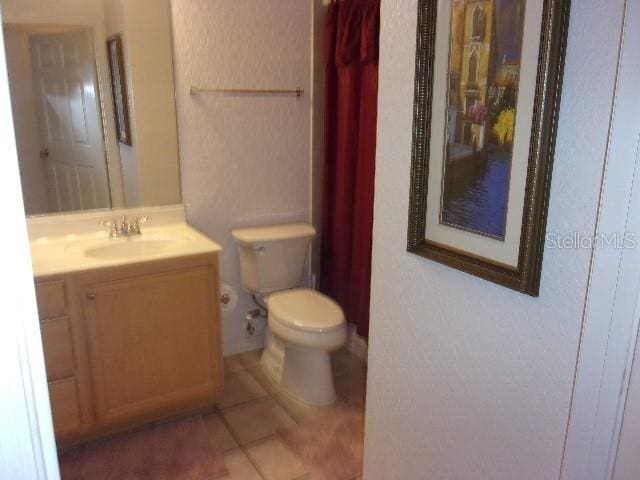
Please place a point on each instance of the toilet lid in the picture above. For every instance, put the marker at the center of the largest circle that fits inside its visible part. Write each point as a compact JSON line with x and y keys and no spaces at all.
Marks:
{"x":305,"y":309}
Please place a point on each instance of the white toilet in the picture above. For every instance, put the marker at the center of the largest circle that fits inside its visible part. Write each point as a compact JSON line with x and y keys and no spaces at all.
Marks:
{"x":305,"y":326}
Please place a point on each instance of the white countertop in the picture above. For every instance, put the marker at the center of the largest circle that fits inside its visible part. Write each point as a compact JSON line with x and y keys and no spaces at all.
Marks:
{"x":72,"y":253}
{"x":66,"y":244}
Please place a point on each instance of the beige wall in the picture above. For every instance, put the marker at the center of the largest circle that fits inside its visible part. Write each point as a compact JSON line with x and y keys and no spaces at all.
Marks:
{"x":469,"y":380}
{"x":149,"y":49}
{"x":115,"y":25}
{"x":150,"y":165}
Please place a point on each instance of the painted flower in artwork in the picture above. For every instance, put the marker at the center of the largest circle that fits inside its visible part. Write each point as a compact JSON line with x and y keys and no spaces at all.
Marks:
{"x":505,"y":126}
{"x":477,"y":113}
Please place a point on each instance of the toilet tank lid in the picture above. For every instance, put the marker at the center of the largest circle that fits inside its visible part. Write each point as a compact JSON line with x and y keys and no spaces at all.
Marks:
{"x":273,"y":233}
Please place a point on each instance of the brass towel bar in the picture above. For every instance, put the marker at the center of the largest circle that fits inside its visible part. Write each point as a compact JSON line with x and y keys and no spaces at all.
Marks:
{"x":195,"y":91}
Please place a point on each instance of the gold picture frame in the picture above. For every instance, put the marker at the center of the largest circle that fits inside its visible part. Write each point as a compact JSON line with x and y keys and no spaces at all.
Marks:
{"x":119,"y":89}
{"x":545,"y":78}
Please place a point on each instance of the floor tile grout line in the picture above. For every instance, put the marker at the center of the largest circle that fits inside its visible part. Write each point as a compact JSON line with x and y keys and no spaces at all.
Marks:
{"x":264,"y":384}
{"x":243,"y":403}
{"x":243,"y":448}
{"x":226,"y":424}
{"x":297,"y":420}
{"x":272,"y":394}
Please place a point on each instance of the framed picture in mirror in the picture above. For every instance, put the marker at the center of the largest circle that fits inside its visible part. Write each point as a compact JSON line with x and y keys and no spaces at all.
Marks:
{"x":119,"y":88}
{"x":487,"y":94}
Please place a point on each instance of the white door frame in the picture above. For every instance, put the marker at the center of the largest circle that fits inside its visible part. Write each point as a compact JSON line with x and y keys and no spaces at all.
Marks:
{"x":610,"y":322}
{"x":626,"y":460}
{"x":27,"y":444}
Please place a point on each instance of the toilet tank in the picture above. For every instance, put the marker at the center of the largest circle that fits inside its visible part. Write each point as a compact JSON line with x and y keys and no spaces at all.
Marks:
{"x":272,"y":257}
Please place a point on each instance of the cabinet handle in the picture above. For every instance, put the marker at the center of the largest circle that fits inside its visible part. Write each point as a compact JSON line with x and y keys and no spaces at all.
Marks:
{"x":91,"y":296}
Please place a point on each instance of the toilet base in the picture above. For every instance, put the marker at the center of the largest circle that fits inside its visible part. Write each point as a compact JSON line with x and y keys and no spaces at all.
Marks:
{"x":272,"y":359}
{"x":307,"y":375}
{"x":301,"y":372}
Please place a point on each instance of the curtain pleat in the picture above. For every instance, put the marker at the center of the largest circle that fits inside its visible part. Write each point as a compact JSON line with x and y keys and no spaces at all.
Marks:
{"x":351,"y":88}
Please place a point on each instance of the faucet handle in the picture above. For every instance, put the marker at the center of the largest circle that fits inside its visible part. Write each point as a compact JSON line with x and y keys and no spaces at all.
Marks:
{"x":140,"y":221}
{"x":115,"y":233}
{"x":135,"y":224}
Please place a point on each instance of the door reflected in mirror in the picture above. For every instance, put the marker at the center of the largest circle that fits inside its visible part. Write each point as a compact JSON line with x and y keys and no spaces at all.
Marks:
{"x":75,"y":152}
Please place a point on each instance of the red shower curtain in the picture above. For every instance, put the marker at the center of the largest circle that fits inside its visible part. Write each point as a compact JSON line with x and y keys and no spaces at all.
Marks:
{"x":351,"y":94}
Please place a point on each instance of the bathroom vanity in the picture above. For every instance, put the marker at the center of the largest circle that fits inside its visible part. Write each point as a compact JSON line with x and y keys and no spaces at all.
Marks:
{"x":130,"y":326}
{"x":129,"y":316}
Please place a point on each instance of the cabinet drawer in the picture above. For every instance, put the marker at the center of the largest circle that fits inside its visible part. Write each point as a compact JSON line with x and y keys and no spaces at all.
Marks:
{"x":65,"y":406}
{"x":58,"y":348}
{"x":51,"y":298}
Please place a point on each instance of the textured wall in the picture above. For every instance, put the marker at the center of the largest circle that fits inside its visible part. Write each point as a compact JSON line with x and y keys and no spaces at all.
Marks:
{"x":468,"y":380}
{"x":244,"y":160}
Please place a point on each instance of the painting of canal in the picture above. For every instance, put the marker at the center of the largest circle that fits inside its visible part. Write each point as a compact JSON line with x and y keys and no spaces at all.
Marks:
{"x":484,"y":75}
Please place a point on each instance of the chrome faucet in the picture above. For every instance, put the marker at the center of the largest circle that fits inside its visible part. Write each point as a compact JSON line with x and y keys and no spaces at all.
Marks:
{"x":127,"y":228}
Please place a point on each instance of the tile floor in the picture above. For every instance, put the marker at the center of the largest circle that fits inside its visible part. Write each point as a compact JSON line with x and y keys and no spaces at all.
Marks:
{"x":251,"y":409}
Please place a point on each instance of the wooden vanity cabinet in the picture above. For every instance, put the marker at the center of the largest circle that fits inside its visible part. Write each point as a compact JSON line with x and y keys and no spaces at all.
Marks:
{"x":62,"y":345}
{"x":145,"y":344}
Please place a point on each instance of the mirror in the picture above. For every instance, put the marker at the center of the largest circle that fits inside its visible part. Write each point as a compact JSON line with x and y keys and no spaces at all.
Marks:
{"x":92,"y":92}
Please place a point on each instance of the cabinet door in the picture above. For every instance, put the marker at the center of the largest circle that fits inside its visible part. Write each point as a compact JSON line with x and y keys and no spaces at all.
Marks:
{"x":153,"y":343}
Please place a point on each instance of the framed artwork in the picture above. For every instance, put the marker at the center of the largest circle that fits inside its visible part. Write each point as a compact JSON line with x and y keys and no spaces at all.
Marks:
{"x":119,"y":88}
{"x":487,"y":93}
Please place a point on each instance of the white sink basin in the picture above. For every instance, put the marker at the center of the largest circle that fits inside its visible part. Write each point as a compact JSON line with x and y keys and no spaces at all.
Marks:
{"x":56,"y":255}
{"x":131,"y":249}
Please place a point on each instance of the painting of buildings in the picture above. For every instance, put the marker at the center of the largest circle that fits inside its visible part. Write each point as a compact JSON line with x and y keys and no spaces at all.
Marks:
{"x":484,"y":74}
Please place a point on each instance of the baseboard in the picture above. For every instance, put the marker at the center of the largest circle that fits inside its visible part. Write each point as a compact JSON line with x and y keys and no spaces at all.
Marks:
{"x":356,"y":344}
{"x":248,"y":344}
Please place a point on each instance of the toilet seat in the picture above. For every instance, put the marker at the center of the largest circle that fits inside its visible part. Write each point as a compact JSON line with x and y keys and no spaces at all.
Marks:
{"x":306,"y":310}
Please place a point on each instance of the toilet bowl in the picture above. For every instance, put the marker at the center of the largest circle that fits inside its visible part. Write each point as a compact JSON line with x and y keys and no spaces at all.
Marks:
{"x":304,"y":326}
{"x":311,"y":326}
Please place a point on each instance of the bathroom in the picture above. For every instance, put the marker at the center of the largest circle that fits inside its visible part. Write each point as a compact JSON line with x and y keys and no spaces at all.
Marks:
{"x":201,"y":186}
{"x":224,"y":264}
